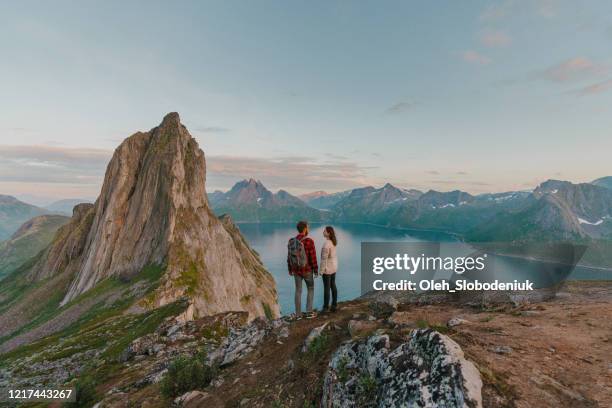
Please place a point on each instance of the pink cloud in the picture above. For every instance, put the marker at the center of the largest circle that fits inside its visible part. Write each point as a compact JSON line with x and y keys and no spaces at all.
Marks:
{"x":574,"y":69}
{"x":595,"y":88}
{"x":495,"y":39}
{"x":474,"y":57}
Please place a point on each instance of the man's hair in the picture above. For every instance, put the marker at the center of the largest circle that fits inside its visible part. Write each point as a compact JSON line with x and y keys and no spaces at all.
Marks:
{"x":301,"y":226}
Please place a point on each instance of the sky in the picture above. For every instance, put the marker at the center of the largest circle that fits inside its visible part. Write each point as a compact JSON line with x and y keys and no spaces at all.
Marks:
{"x":482,"y":96}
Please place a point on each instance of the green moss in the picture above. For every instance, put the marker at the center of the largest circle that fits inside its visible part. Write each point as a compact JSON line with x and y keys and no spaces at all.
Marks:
{"x":189,"y":269}
{"x":215,"y":332}
{"x":186,"y":374}
{"x":366,"y":390}
{"x":424,"y":324}
{"x":268,"y":311}
{"x":85,"y":393}
{"x":152,"y":273}
{"x":342,"y":370}
{"x":318,"y":347}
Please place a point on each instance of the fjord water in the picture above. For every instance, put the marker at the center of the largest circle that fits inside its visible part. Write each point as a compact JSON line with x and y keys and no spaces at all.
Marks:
{"x":270,"y":241}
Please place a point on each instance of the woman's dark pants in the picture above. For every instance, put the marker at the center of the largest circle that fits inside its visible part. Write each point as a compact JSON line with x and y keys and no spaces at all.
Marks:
{"x":329,"y":283}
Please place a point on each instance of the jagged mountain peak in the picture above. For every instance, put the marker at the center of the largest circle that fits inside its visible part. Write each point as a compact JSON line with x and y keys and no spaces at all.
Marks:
{"x":153,"y":210}
{"x":171,"y":119}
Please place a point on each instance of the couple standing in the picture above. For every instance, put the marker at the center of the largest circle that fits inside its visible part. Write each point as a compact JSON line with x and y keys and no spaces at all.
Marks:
{"x":302,"y":265}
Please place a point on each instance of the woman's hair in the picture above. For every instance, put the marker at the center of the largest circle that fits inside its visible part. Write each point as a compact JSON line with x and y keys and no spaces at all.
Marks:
{"x":331,"y":234}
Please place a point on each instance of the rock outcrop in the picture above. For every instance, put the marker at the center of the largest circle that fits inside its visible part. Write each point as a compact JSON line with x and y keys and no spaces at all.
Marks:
{"x":153,"y":210}
{"x":429,"y":370}
{"x":64,"y":253}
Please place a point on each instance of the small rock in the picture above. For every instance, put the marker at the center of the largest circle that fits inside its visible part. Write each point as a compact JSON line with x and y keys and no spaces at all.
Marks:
{"x":383,"y":306}
{"x":290,"y":365}
{"x":173,"y":329}
{"x":530,"y":313}
{"x":456,"y":321}
{"x":190,"y":399}
{"x":284,"y":332}
{"x":502,"y":349}
{"x":360,"y":327}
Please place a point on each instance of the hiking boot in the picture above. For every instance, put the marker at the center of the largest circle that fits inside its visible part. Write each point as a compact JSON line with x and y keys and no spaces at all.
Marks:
{"x":333,"y":308}
{"x":310,"y":315}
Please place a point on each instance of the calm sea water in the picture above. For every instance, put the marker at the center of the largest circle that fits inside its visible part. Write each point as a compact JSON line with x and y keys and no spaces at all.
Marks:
{"x":270,"y":240}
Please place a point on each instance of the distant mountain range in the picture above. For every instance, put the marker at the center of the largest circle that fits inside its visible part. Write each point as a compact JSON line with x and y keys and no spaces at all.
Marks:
{"x":31,"y":238}
{"x":326,"y":202}
{"x":553,"y":210}
{"x":311,"y":196}
{"x":13,"y":213}
{"x":250,"y":201}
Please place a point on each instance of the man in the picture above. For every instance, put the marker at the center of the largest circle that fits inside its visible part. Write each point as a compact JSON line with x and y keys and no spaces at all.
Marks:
{"x":302,"y":265}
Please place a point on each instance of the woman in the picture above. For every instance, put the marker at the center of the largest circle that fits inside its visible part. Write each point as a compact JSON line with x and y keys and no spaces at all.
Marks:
{"x":328,"y":268}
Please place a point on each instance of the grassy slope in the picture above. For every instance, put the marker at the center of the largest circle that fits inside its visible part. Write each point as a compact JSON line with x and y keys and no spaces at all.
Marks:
{"x":18,"y":250}
{"x":108,"y":299}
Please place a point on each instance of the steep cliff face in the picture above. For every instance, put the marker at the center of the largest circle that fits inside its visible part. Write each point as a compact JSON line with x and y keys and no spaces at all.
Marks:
{"x":64,"y":253}
{"x":153,"y":210}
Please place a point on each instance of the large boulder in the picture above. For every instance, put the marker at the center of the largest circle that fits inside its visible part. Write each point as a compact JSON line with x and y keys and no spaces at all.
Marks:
{"x":429,"y":370}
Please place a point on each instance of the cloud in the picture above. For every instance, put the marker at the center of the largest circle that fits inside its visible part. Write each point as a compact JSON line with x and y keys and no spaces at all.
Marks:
{"x":497,"y":10}
{"x":211,"y":129}
{"x":400,"y":107}
{"x":52,"y":171}
{"x":504,"y":9}
{"x":63,"y":172}
{"x":495,"y":39}
{"x":295,"y":172}
{"x":474,"y":57}
{"x":594,"y":88}
{"x":433,"y":172}
{"x":575,"y":69}
{"x":336,"y":156}
{"x":462,"y":173}
{"x":52,"y":164}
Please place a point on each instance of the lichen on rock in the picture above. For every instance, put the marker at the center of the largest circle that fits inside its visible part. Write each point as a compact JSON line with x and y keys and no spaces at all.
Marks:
{"x":428,"y":370}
